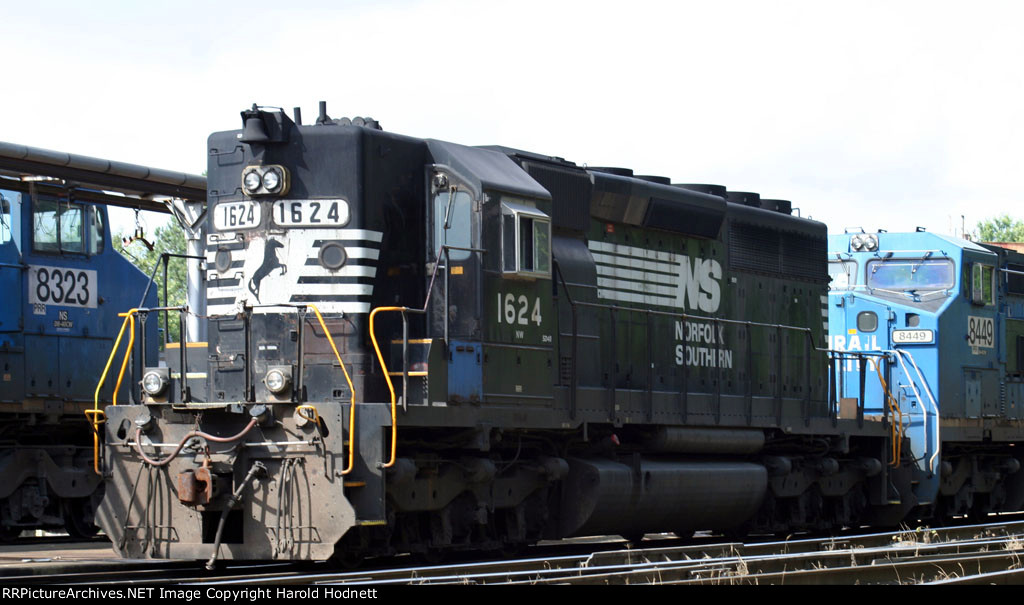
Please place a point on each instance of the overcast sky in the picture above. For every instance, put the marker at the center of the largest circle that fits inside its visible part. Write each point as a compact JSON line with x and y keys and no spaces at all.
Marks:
{"x":864,"y":114}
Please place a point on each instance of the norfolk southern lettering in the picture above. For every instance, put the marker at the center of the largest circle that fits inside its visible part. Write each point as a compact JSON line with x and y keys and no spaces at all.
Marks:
{"x":705,"y":347}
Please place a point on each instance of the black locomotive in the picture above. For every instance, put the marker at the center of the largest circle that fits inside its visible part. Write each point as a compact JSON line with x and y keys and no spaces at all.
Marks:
{"x":420,"y":346}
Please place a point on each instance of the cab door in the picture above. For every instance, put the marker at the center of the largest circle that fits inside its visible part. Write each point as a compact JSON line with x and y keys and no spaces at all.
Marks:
{"x":455,"y":307}
{"x":867,"y":328}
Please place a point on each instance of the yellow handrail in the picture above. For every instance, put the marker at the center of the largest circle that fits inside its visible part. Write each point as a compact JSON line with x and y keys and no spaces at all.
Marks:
{"x":896,"y":413}
{"x":351,"y":389}
{"x":387,"y":377}
{"x":315,"y":418}
{"x":95,"y":413}
{"x":127,"y":354}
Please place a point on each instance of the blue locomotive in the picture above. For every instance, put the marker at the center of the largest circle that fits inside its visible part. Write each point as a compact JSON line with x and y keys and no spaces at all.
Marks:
{"x":938,"y":324}
{"x":62,"y":286}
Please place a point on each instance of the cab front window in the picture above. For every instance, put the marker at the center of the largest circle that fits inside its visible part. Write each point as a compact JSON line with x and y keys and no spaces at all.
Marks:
{"x":453,"y":223}
{"x":909,"y":275}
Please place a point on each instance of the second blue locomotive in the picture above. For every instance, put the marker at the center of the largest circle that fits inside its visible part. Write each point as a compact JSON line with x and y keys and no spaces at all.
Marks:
{"x":940,"y":321}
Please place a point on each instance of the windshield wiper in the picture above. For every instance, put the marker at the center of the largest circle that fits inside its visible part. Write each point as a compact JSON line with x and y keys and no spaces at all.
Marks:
{"x":914,"y":269}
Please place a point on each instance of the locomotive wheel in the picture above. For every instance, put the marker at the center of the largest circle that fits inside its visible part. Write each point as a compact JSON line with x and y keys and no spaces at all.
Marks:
{"x":74,"y":520}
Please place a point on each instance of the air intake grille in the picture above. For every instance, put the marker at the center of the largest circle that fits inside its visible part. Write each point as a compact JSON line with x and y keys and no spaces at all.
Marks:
{"x":753,"y":248}
{"x":1015,"y":282}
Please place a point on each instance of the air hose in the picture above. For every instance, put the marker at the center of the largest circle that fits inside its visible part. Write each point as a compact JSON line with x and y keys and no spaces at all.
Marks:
{"x":258,"y":468}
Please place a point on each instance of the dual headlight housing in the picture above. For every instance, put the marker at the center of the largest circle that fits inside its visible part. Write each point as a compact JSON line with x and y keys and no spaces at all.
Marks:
{"x":265,"y":180}
{"x":864,"y":242}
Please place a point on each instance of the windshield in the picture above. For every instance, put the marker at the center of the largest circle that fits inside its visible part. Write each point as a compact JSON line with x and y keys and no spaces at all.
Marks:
{"x":842,"y":273}
{"x":904,"y":275}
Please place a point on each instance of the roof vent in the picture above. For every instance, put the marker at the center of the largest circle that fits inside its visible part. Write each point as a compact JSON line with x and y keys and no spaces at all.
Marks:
{"x":746,"y":198}
{"x":717,"y":190}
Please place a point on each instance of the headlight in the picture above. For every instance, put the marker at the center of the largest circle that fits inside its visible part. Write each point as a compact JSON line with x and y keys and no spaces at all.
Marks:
{"x":251,"y":181}
{"x":154,"y":383}
{"x":272,"y":180}
{"x":856,"y":242}
{"x":871,"y":243}
{"x":265,"y":180}
{"x":277,"y":380}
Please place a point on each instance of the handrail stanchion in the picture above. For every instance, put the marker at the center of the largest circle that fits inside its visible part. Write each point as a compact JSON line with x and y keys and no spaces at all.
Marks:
{"x":405,"y":362}
{"x":351,"y":389}
{"x":387,"y":378}
{"x":96,"y":415}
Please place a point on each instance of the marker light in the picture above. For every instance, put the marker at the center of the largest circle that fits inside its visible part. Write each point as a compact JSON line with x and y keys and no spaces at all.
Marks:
{"x":277,"y":380}
{"x":153,"y":383}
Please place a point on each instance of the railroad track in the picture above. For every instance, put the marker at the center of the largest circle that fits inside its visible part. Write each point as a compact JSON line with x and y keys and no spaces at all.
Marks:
{"x":987,"y":553}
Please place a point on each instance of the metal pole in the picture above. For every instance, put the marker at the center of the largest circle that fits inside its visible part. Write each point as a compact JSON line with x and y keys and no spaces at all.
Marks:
{"x":196,"y":300}
{"x":297,"y":395}
{"x":405,"y":361}
{"x":615,"y":365}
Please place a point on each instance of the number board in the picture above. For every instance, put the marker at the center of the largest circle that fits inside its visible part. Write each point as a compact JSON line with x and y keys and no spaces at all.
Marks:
{"x":913,"y":337}
{"x":62,"y":286}
{"x":311,"y":213}
{"x":981,"y":332}
{"x":236,"y":215}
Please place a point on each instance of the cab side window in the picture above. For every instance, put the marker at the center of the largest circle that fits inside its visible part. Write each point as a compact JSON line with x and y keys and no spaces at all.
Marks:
{"x":58,"y":227}
{"x":983,"y":284}
{"x":96,"y":231}
{"x":525,"y":240}
{"x":6,"y":226}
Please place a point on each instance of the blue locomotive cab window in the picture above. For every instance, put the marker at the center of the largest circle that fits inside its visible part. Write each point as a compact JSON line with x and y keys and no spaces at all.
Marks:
{"x":97,"y":235}
{"x":867,"y":321}
{"x":58,"y":227}
{"x":910,"y":276}
{"x":453,"y":223}
{"x":525,"y":240}
{"x":843,"y":274}
{"x":6,"y":226}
